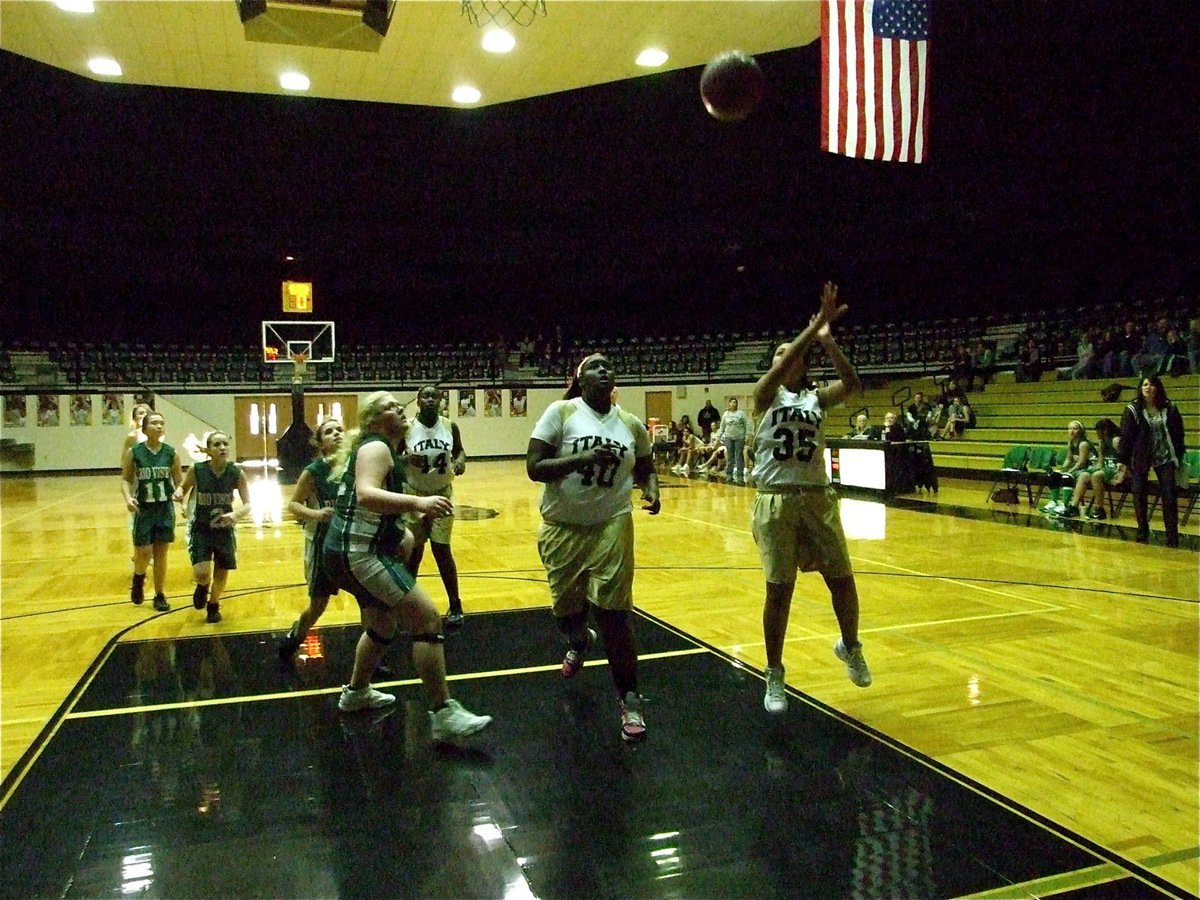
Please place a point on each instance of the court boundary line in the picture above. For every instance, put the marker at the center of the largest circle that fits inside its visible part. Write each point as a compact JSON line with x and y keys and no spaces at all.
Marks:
{"x":1134,"y":869}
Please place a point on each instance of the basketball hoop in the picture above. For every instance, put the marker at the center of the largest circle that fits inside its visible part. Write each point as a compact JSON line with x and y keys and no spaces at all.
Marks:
{"x":502,"y":13}
{"x":300,"y":361}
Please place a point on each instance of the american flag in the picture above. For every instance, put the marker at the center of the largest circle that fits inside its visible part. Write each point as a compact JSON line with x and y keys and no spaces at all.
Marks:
{"x":875,"y":78}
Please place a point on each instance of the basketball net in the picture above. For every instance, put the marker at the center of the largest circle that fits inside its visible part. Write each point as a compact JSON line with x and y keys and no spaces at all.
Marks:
{"x":300,"y":362}
{"x":501,"y":13}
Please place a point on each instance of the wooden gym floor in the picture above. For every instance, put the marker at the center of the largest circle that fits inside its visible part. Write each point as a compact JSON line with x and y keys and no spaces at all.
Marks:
{"x":1032,"y":728}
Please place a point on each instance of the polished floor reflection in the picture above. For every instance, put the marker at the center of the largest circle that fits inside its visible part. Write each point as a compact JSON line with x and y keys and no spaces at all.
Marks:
{"x":201,"y":767}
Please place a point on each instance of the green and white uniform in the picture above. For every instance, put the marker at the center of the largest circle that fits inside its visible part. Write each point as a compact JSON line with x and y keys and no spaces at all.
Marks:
{"x":212,"y":497}
{"x":154,"y":521}
{"x":362,"y":547}
{"x":320,"y":583}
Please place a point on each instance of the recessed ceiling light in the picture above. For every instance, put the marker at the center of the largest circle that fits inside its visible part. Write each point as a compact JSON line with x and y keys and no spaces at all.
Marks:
{"x":651,"y":57}
{"x":464,"y":93}
{"x":294,"y":81}
{"x":498,"y":41}
{"x":102,"y":65}
{"x":76,"y":6}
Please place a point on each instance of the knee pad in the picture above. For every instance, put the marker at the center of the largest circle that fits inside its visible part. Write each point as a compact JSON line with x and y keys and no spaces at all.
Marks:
{"x":379,"y":638}
{"x":437,"y":638}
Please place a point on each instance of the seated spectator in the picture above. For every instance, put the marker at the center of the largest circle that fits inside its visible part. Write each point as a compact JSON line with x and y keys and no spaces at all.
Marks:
{"x":893,"y":431}
{"x":693,"y":454}
{"x":1176,"y":361}
{"x":1193,"y":347}
{"x":1062,"y":480}
{"x":1029,"y":364}
{"x":1129,"y":344}
{"x":1085,"y":359}
{"x":1108,"y":352}
{"x":983,"y":359}
{"x":919,"y":418}
{"x":962,"y":367}
{"x":1102,"y":471}
{"x":1154,"y":349}
{"x":863,"y":429}
{"x":958,"y":418}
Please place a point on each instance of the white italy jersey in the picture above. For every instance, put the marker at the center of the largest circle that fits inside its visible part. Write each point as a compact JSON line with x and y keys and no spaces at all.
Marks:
{"x":789,"y":446}
{"x":601,"y":492}
{"x":436,"y":444}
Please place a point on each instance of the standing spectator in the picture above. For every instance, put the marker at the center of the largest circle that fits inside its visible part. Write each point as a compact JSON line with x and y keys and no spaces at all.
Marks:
{"x":1152,"y":437}
{"x":434,"y":456}
{"x":796,"y":523}
{"x":588,"y":452}
{"x":708,"y":417}
{"x":364,"y":553}
{"x":735,"y":425}
{"x":150,"y":473}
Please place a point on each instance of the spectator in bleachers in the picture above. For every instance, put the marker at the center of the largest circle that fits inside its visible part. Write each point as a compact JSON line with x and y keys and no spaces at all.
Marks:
{"x":1154,"y":349}
{"x":1102,"y":471}
{"x":1129,"y":345}
{"x":1193,"y":346}
{"x":983,"y":359}
{"x":962,"y":366}
{"x":1062,"y":480}
{"x":958,"y":418}
{"x":1085,"y":359}
{"x":1152,"y":437}
{"x":708,"y":417}
{"x":863,"y":430}
{"x":917,"y":418}
{"x":1176,"y":361}
{"x":1029,"y":364}
{"x":1108,"y":352}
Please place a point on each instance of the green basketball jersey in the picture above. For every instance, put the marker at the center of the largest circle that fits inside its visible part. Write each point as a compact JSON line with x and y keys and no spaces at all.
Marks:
{"x":152,"y":471}
{"x":213,"y":495}
{"x":355,"y":530}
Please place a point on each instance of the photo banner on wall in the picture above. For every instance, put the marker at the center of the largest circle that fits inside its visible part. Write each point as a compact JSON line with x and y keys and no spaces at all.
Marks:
{"x":518,"y":403}
{"x":492,"y":403}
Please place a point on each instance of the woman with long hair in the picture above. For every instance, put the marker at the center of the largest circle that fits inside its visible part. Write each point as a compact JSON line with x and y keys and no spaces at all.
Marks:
{"x":312,"y":505}
{"x":589,"y":453}
{"x":1101,"y":473}
{"x":1152,"y":438}
{"x":1075,"y":463}
{"x":365,"y":551}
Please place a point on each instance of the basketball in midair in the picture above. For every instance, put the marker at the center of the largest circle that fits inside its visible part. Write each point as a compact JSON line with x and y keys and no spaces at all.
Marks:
{"x":731,"y":86}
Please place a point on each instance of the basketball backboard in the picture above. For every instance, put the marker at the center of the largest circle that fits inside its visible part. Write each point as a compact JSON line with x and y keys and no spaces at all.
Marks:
{"x":282,"y":342}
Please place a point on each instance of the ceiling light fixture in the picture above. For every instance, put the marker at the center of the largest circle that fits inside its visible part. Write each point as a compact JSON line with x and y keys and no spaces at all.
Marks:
{"x":102,"y":65}
{"x":294,"y":81}
{"x":497,"y":40}
{"x":465,"y":94}
{"x":76,"y":6}
{"x":652,"y":57}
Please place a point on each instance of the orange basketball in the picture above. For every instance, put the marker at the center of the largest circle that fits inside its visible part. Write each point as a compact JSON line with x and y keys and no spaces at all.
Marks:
{"x":731,"y":86}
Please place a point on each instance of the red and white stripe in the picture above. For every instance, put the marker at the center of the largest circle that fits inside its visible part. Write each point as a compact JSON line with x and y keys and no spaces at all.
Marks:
{"x":874,"y":101}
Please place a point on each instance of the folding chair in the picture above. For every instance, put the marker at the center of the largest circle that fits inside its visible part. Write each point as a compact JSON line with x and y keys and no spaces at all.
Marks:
{"x":1011,"y":469}
{"x":1191,"y":462}
{"x":1038,"y":465}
